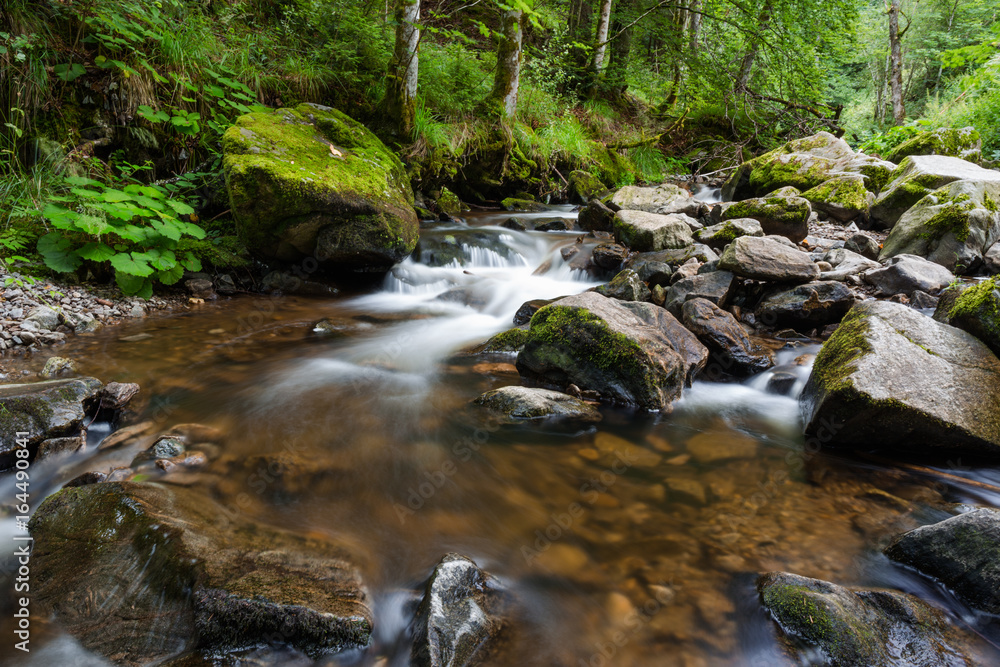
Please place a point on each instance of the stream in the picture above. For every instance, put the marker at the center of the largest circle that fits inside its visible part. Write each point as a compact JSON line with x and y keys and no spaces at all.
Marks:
{"x":653,"y":565}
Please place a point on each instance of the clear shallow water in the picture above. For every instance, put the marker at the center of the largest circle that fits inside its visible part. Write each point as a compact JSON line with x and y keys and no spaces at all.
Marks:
{"x":651,"y":566}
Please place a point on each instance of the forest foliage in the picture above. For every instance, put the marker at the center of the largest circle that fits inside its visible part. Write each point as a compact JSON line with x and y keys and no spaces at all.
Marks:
{"x":111,"y":111}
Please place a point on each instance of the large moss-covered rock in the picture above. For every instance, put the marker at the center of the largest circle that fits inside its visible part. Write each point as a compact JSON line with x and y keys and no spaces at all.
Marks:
{"x":171,"y":572}
{"x":631,"y":353}
{"x":626,"y":286}
{"x":781,"y":216}
{"x":722,"y":234}
{"x":960,"y":552}
{"x":850,"y":627}
{"x":311,"y":181}
{"x":43,"y":410}
{"x":962,"y":143}
{"x":977,"y":310}
{"x":917,"y":177}
{"x":953,"y":226}
{"x":844,"y":197}
{"x":892,"y":378}
{"x":583,"y":186}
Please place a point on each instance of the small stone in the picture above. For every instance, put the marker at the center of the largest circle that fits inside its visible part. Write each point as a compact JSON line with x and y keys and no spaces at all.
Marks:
{"x":713,"y":446}
{"x":58,"y":367}
{"x":167,"y":448}
{"x":688,"y":491}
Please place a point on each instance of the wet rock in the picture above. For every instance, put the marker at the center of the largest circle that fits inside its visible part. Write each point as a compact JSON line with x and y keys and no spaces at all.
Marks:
{"x":844,"y":197}
{"x":846,"y":263}
{"x":167,"y":447}
{"x":528,"y":309}
{"x":631,"y":353}
{"x":449,"y":203}
{"x":891,"y":377}
{"x":511,"y":340}
{"x":523,"y":205}
{"x":780,"y":216}
{"x":326,"y":328}
{"x":812,"y":305}
{"x":688,"y":269}
{"x":56,"y":367}
{"x":201,"y":288}
{"x":626,"y":286}
{"x":864,"y":245}
{"x":44,"y":410}
{"x":924,"y":301}
{"x":964,"y":143}
{"x":729,"y":346}
{"x":93,"y":477}
{"x":721,"y":445}
{"x":609,"y":256}
{"x":722,"y":234}
{"x":225,"y":284}
{"x":582,"y":186}
{"x":977,"y":310}
{"x":459,"y":617}
{"x":560,"y":225}
{"x":645,"y":232}
{"x":201,"y":578}
{"x":781,"y":383}
{"x":520,"y":404}
{"x":281,"y":281}
{"x":953,"y":226}
{"x":853,"y":627}
{"x":81,"y":322}
{"x":569,"y":252}
{"x":919,"y":176}
{"x":652,"y":272}
{"x":946,"y":301}
{"x":716,"y":287}
{"x":676,"y":256}
{"x":596,"y":217}
{"x":54,"y":447}
{"x":765,"y":259}
{"x":689,"y":491}
{"x":960,"y":552}
{"x":516,"y":224}
{"x":905,"y":273}
{"x":117,"y":396}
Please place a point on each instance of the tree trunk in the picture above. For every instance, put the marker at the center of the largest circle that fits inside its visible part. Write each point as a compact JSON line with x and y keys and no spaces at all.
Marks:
{"x":896,"y":66}
{"x":400,"y":101}
{"x":746,"y":66}
{"x":508,"y":74}
{"x":621,"y":49}
{"x":578,"y":20}
{"x":695,"y":25}
{"x":601,"y":46}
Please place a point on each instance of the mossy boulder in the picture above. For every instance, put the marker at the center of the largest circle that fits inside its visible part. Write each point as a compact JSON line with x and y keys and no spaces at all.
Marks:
{"x":916,"y":177}
{"x":511,"y":340}
{"x":722,"y":234}
{"x":850,"y":627}
{"x":311,"y":181}
{"x":781,"y":216}
{"x":960,"y":552}
{"x":631,"y":353}
{"x":448,"y":202}
{"x":516,"y":405}
{"x":626,"y":286}
{"x":844,"y":198}
{"x":977,"y":310}
{"x":193,"y":579}
{"x":582,"y":186}
{"x":596,"y":217}
{"x":648,"y":232}
{"x":523,"y":205}
{"x":44,"y":410}
{"x":953,"y":226}
{"x":894,"y":379}
{"x":962,"y":143}
{"x":802,"y":163}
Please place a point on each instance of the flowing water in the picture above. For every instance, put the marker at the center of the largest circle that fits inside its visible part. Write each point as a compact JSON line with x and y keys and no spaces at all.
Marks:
{"x":635,"y":542}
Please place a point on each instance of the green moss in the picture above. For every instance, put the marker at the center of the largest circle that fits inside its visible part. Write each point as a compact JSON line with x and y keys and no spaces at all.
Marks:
{"x":511,"y":340}
{"x":837,"y":360}
{"x":448,"y":202}
{"x":978,"y":301}
{"x":524,"y":205}
{"x":222,"y":252}
{"x":777,"y":209}
{"x":877,"y":176}
{"x":728,"y":233}
{"x":943,"y":141}
{"x":848,"y":193}
{"x":803,"y":173}
{"x":952,"y":218}
{"x":989,"y":203}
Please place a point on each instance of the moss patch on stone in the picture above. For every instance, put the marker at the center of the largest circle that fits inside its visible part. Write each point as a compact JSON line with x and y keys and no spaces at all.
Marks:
{"x":952,"y":218}
{"x":838,"y":358}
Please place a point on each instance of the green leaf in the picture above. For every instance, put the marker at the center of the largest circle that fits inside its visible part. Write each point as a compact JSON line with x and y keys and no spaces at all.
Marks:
{"x":69,"y":72}
{"x":95,"y":252}
{"x":180,"y":208}
{"x":167,"y":228}
{"x":190,"y":262}
{"x":93,"y":225}
{"x":134,"y":285}
{"x":170,"y":276}
{"x":55,"y":250}
{"x":82,"y":180}
{"x":134,"y":264}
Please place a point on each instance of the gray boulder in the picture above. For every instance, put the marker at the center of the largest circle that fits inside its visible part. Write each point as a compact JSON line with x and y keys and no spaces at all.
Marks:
{"x":766,"y":259}
{"x":953,"y":226}
{"x":729,"y":346}
{"x":596,"y":217}
{"x":917,"y":177}
{"x":960,"y":552}
{"x":609,"y":256}
{"x":811,"y":305}
{"x":631,"y":353}
{"x":722,"y":234}
{"x":459,"y":617}
{"x":675,"y":257}
{"x":850,"y":627}
{"x":864,"y":245}
{"x":664,"y":199}
{"x":195,"y":579}
{"x":645,"y":232}
{"x":977,"y":310}
{"x":626,"y":286}
{"x":43,"y":317}
{"x":715,"y":287}
{"x":905,"y":273}
{"x":892,"y":378}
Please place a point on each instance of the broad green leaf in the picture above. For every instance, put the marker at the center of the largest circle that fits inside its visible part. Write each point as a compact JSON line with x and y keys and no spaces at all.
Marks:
{"x":69,"y":72}
{"x":131,"y":263}
{"x":134,"y":285}
{"x":95,"y":252}
{"x":93,"y":225}
{"x":170,"y":276}
{"x":55,"y":250}
{"x":190,"y":262}
{"x":82,"y":180}
{"x":167,"y":228}
{"x":180,"y":208}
